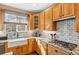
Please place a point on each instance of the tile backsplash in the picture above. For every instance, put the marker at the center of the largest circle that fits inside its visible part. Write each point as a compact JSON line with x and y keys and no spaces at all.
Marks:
{"x":66,"y":31}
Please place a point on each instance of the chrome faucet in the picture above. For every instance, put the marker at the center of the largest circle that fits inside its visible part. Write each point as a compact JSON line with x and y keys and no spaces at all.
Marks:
{"x":53,"y":36}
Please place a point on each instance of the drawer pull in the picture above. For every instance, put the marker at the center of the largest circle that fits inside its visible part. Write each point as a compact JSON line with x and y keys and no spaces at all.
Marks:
{"x":56,"y":50}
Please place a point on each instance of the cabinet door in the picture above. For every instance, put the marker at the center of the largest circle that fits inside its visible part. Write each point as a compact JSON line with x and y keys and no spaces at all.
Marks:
{"x":67,"y":9}
{"x":30,"y":45}
{"x":36,"y":21}
{"x":77,"y":16}
{"x":57,"y":12}
{"x":42,"y":21}
{"x":31,"y":22}
{"x":1,"y":19}
{"x":25,"y":49}
{"x":6,"y":47}
{"x":13,"y":49}
{"x":48,"y":19}
{"x":17,"y":50}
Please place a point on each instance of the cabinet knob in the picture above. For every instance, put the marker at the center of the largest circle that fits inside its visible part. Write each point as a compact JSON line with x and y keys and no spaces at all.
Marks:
{"x":56,"y":50}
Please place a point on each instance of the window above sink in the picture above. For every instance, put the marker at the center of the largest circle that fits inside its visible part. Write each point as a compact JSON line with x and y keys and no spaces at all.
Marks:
{"x":15,"y":24}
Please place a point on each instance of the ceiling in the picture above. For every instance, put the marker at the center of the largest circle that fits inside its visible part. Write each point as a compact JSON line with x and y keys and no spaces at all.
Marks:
{"x":31,"y":7}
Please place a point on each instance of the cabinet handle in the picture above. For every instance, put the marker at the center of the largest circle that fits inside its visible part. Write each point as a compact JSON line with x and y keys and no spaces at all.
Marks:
{"x":56,"y":50}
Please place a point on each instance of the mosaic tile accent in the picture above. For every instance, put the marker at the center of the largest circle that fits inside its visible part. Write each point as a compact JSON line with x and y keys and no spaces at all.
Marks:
{"x":66,"y":31}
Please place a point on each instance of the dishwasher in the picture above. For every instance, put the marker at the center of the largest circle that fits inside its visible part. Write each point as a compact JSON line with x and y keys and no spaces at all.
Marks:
{"x":2,"y":48}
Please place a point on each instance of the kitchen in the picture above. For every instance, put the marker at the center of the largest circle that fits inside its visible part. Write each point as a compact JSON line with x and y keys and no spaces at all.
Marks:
{"x":39,"y":29}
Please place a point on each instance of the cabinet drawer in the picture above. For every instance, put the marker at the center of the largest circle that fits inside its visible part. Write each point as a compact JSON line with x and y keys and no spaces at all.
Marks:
{"x":67,"y":9}
{"x":52,"y":50}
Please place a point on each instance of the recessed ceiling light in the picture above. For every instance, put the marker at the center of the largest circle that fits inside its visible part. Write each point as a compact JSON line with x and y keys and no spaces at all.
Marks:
{"x":34,"y":5}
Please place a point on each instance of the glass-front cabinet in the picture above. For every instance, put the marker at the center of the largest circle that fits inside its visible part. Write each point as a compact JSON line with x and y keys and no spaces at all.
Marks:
{"x":36,"y":18}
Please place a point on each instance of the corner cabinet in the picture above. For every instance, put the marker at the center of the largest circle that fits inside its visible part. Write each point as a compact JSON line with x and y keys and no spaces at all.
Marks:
{"x":49,"y":24}
{"x":36,"y":21}
{"x":42,"y":21}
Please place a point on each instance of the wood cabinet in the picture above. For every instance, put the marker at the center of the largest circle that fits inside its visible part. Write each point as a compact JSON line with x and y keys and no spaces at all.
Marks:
{"x":36,"y":21}
{"x":45,"y":46}
{"x":6,"y":47}
{"x":17,"y":50}
{"x":37,"y":47}
{"x":77,"y":16}
{"x":57,"y":12}
{"x":48,"y":19}
{"x":42,"y":21}
{"x":1,"y":19}
{"x":31,"y":22}
{"x":63,"y":10}
{"x":25,"y":49}
{"x":67,"y":9}
{"x":52,"y":50}
{"x":30,"y":45}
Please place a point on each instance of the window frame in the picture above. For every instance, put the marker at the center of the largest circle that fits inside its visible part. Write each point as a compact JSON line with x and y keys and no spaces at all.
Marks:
{"x":16,"y":22}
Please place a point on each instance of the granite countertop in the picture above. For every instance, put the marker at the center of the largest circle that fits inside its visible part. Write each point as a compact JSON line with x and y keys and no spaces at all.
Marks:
{"x":67,"y":50}
{"x":44,"y":40}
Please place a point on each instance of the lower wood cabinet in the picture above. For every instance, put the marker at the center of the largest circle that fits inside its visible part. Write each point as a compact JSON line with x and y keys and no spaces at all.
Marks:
{"x":45,"y":46}
{"x":38,"y":50}
{"x":36,"y":47}
{"x":31,"y":45}
{"x":17,"y":50}
{"x":52,"y":50}
{"x":25,"y":49}
{"x":6,"y":47}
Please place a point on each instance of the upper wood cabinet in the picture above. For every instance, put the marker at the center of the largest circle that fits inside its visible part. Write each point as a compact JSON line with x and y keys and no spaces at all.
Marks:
{"x":67,"y":9}
{"x":31,"y":22}
{"x":57,"y":12}
{"x":41,"y":21}
{"x":77,"y":16}
{"x":48,"y":19}
{"x":63,"y":10}
{"x":1,"y":19}
{"x":36,"y":21}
